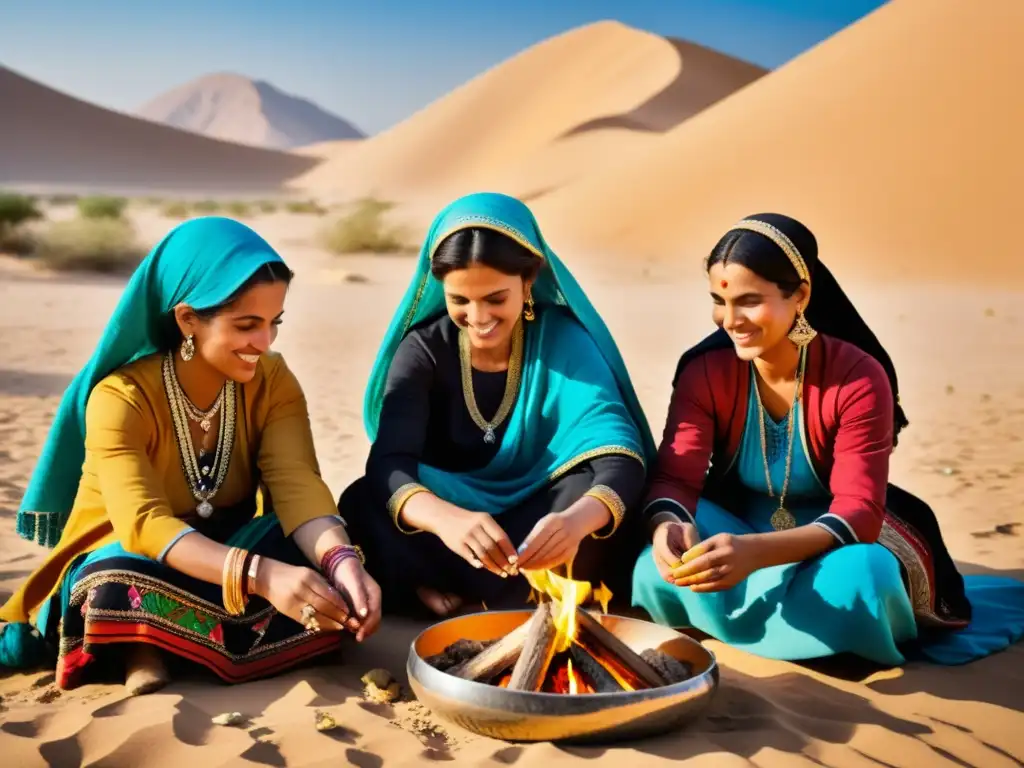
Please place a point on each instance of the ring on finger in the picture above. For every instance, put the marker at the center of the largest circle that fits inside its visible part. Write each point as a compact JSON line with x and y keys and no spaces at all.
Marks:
{"x":309,"y":620}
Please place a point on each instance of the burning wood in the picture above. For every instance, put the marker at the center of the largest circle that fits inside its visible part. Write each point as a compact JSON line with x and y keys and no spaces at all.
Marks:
{"x":598,"y":678}
{"x":538,"y":649}
{"x":562,"y":648}
{"x":495,"y":658}
{"x":625,"y":663}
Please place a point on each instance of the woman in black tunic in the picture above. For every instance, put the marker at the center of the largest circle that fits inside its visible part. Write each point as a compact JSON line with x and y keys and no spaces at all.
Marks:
{"x":503,"y":425}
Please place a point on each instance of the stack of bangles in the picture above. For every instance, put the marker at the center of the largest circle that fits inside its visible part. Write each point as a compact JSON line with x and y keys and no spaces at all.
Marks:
{"x":335,"y":556}
{"x":239,"y":579}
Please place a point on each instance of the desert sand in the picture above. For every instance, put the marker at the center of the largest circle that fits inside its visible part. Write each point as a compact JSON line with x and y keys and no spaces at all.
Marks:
{"x":962,"y":452}
{"x":897,"y":141}
{"x":538,"y":120}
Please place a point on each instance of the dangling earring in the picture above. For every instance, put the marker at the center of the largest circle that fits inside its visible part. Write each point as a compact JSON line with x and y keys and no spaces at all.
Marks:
{"x":528,"y":313}
{"x":188,"y":348}
{"x":802,"y":333}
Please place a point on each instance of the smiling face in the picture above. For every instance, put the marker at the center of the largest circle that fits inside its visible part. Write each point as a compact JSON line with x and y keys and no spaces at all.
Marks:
{"x":486,"y":302}
{"x":232,"y":341}
{"x":753,"y":311}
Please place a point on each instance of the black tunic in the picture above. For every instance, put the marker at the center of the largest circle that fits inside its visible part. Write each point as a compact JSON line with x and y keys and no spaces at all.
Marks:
{"x":424,"y":418}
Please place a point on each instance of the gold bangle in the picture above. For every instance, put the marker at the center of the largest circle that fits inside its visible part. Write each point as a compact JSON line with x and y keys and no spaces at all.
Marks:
{"x":398,"y":500}
{"x":234,"y":572}
{"x":610,"y":499}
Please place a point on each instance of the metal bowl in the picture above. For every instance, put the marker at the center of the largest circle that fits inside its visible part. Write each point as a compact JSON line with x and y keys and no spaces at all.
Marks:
{"x":595,"y":717}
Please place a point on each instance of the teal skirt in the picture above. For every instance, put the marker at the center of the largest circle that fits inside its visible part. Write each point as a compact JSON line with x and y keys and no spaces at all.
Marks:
{"x":849,"y":600}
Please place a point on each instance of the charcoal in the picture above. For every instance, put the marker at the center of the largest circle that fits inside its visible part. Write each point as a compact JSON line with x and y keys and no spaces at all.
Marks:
{"x":670,"y":668}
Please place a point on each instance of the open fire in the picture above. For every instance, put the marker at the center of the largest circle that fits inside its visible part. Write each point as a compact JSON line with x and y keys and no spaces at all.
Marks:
{"x":563,"y":648}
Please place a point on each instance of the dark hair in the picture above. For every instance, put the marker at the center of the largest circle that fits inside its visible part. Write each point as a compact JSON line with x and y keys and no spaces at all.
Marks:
{"x":477,"y":245}
{"x":830,"y":311}
{"x":270,"y":272}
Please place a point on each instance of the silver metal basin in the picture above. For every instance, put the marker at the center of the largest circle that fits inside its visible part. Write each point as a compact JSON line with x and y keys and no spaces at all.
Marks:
{"x":596,"y":717}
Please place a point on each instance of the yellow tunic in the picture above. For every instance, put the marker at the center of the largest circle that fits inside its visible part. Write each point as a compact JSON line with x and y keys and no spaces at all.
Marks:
{"x":133,"y":488}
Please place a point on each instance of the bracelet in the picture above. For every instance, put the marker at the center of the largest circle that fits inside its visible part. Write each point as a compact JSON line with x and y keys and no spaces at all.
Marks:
{"x":398,"y":500}
{"x":334,"y":556}
{"x":610,"y":499}
{"x":250,"y":584}
{"x":233,"y":579}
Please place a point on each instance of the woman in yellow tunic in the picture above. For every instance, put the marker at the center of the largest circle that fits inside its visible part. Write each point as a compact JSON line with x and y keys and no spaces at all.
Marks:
{"x":180,"y":490}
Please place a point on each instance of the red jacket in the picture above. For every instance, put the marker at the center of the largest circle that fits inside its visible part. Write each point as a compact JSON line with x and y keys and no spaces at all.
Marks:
{"x":848,"y":425}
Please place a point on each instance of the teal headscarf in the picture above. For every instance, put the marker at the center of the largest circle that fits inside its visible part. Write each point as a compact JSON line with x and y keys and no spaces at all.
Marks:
{"x":201,"y":262}
{"x":576,"y":400}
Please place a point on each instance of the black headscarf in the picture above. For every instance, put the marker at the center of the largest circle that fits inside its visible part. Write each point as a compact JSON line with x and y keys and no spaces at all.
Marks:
{"x":829,"y":312}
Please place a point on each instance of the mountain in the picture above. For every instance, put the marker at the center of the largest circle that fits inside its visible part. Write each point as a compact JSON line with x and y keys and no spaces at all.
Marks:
{"x":235,"y":108}
{"x":541,"y":119}
{"x":53,"y":140}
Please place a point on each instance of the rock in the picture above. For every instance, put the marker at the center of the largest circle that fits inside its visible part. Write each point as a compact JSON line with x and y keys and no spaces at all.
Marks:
{"x":325,"y":722}
{"x":228,"y":718}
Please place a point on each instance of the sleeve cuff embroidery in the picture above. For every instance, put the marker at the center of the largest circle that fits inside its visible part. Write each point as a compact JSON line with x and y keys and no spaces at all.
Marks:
{"x":615,"y":505}
{"x":666,"y":505}
{"x":172,"y":542}
{"x":398,"y":500}
{"x":838,"y":527}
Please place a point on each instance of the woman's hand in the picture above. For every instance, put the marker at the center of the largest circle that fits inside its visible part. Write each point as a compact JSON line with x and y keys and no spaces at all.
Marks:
{"x":717,"y":563}
{"x":362,"y":592}
{"x":556,"y":537}
{"x":476,"y":537}
{"x":289,"y":588}
{"x":671,"y":540}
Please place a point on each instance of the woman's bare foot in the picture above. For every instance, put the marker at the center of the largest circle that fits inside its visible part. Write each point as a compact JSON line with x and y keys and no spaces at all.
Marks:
{"x":441,"y":604}
{"x":145,"y":671}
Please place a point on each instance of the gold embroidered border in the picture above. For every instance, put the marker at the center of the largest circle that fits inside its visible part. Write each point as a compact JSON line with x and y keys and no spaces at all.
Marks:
{"x":486,"y":222}
{"x":613,"y":501}
{"x":918,"y":587}
{"x":83,"y":586}
{"x":593,"y":453}
{"x":398,"y":500}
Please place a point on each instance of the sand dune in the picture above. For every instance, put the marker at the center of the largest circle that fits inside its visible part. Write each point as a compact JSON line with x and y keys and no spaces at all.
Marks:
{"x":50,"y":140}
{"x":898,"y":141}
{"x":541,"y":119}
{"x":235,"y":108}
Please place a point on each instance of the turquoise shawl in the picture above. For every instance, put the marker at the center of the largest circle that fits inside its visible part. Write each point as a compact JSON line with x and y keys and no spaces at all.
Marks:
{"x":576,"y":400}
{"x":201,"y":263}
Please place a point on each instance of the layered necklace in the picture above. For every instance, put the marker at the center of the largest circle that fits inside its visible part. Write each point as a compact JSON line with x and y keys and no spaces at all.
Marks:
{"x":204,"y":474}
{"x":515,"y":367}
{"x":782,"y":518}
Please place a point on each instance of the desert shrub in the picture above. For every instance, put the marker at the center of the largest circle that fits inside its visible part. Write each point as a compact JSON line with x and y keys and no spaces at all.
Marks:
{"x":238,"y":209}
{"x":101,"y":207}
{"x":364,"y":229}
{"x":19,"y":241}
{"x":175,"y":211}
{"x":16,"y":210}
{"x":305,"y":206}
{"x":62,"y":200}
{"x":104,"y":245}
{"x":267,"y":206}
{"x":206,"y":207}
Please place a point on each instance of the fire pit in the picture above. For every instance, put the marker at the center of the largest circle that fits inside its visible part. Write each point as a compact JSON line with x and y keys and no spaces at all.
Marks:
{"x":561,"y":673}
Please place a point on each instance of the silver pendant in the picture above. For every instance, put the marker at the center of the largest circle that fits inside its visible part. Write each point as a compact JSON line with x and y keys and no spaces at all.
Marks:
{"x":205,"y":425}
{"x":205,"y":509}
{"x":489,"y":436}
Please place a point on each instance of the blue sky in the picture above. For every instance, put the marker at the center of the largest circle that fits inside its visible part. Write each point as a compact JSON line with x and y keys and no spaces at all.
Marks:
{"x":373,"y":62}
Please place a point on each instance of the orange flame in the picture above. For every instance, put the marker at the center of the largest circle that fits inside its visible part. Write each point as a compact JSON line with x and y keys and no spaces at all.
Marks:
{"x":566,"y":593}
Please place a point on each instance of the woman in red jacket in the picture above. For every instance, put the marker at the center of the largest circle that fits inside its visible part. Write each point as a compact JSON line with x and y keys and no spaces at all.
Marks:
{"x":774,"y":526}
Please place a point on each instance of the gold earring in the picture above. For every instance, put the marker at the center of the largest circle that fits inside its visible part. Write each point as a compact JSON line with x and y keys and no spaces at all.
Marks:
{"x":528,"y":313}
{"x":802,"y":333}
{"x":188,"y":348}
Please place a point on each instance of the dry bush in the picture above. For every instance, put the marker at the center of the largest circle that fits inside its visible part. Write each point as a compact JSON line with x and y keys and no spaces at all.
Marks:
{"x":365,"y":229}
{"x":102,"y":245}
